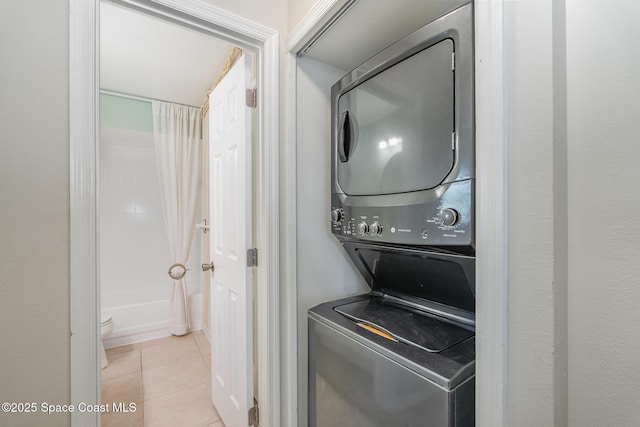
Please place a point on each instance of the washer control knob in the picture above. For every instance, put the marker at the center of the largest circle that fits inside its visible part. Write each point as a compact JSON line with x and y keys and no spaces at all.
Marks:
{"x":363,"y":228}
{"x":375,"y":229}
{"x":448,"y":217}
{"x":337,"y":215}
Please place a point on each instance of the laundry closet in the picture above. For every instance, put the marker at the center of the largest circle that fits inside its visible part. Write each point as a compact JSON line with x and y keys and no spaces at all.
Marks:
{"x":324,"y":270}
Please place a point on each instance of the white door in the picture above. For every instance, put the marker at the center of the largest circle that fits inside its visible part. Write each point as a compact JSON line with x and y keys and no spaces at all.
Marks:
{"x":231,"y":224}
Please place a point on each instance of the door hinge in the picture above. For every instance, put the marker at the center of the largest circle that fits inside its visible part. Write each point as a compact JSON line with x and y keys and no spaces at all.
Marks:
{"x":252,"y":98}
{"x":254,"y":416}
{"x":453,"y":61}
{"x":252,"y":257}
{"x":453,"y":141}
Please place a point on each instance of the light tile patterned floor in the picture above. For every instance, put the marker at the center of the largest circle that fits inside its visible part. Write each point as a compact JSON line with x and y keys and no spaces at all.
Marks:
{"x":168,"y":379}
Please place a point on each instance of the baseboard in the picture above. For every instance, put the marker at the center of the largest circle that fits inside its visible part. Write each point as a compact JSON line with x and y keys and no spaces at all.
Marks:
{"x":137,"y":334}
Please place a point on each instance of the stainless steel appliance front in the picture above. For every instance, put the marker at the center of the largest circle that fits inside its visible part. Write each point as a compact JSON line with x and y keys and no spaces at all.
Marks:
{"x":358,"y":378}
{"x":403,"y":140}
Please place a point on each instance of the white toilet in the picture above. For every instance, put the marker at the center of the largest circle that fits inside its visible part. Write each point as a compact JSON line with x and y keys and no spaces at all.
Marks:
{"x":106,"y":327}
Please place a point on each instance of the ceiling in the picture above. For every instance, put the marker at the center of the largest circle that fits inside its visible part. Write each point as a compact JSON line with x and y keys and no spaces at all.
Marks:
{"x":371,"y":25}
{"x":147,"y":57}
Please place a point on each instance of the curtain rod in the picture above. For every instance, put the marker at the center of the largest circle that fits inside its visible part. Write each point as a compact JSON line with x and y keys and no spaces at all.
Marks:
{"x":140,"y":98}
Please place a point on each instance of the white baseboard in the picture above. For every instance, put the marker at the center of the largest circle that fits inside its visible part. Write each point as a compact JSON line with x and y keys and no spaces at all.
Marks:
{"x":138,"y":334}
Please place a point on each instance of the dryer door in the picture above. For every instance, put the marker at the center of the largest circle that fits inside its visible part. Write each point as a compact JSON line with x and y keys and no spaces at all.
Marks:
{"x":395,"y":130}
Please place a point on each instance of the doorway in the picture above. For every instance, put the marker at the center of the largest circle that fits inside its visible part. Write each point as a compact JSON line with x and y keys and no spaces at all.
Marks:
{"x":152,"y":74}
{"x":83,"y":127}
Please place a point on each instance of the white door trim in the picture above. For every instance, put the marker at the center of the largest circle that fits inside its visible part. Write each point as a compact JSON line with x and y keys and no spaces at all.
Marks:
{"x":491,"y":216}
{"x":83,"y":128}
{"x":491,"y":199}
{"x":289,"y":339}
{"x":84,"y":295}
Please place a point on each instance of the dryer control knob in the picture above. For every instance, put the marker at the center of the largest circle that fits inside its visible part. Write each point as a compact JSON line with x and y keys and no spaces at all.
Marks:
{"x":363,"y":228}
{"x":448,"y":217}
{"x":337,"y":215}
{"x":375,"y":229}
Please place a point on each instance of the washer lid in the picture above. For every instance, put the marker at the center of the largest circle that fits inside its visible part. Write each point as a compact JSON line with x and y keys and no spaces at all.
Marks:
{"x":437,"y":277}
{"x":406,"y":325}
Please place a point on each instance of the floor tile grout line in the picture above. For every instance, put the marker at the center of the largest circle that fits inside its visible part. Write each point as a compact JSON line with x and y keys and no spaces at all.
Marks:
{"x":173,"y":391}
{"x":183,"y":390}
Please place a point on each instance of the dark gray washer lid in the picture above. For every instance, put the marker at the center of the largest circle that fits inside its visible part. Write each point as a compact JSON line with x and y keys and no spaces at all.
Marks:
{"x":406,"y":325}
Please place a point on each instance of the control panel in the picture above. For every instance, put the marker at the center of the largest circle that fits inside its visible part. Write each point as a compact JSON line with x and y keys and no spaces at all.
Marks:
{"x":445,"y":221}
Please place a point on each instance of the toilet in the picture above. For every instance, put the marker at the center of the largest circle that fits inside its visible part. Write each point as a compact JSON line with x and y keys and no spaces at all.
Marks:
{"x":106,"y":327}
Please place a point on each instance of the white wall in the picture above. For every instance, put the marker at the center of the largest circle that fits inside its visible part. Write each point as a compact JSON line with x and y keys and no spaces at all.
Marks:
{"x":296,"y":10}
{"x":34,"y":212}
{"x":272,"y":13}
{"x":572,"y":77}
{"x":324,"y":271}
{"x":603,"y":82}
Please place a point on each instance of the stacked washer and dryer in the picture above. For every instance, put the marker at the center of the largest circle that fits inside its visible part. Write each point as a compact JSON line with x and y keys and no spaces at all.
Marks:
{"x":403,"y":209}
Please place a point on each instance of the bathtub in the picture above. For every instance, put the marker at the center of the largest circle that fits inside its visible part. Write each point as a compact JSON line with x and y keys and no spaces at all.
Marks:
{"x":144,"y":316}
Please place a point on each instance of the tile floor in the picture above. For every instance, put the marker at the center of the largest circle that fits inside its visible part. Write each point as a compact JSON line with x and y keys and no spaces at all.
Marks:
{"x":169,"y":380}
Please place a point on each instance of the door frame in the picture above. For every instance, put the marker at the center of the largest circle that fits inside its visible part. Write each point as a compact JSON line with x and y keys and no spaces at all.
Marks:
{"x":84,"y":172}
{"x":491,"y":197}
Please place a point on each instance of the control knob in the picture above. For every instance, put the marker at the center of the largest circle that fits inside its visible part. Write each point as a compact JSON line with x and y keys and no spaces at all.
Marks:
{"x":448,"y":217}
{"x":337,"y":215}
{"x":363,"y":228}
{"x":375,"y":229}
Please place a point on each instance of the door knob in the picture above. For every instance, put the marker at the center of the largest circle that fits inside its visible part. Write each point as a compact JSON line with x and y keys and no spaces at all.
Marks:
{"x":207,"y":267}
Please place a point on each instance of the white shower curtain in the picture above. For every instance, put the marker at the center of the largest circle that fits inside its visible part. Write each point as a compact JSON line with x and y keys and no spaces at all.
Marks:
{"x":178,"y":142}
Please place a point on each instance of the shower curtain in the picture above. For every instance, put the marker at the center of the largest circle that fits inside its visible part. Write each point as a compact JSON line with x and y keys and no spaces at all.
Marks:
{"x":178,"y":143}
